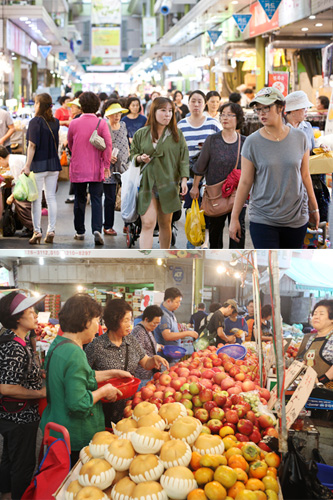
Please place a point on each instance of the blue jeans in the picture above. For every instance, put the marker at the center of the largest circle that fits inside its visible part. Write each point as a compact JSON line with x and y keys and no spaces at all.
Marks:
{"x":273,"y":237}
{"x":109,"y":203}
{"x":80,"y":202}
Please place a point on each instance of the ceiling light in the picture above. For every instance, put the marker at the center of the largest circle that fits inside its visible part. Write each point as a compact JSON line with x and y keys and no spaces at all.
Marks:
{"x":220,"y":269}
{"x":237,"y":275}
{"x":305,"y":29}
{"x":24,"y":18}
{"x":234,"y":2}
{"x":80,"y":288}
{"x":36,"y":294}
{"x":312,"y":17}
{"x":41,"y":261}
{"x":233,"y":262}
{"x":62,"y":255}
{"x":159,"y":262}
{"x":318,"y":24}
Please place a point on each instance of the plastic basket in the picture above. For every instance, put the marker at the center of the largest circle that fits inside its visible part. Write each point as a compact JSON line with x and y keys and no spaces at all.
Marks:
{"x":127,"y":386}
{"x":325,"y":475}
{"x":236,"y":351}
{"x":174,"y":351}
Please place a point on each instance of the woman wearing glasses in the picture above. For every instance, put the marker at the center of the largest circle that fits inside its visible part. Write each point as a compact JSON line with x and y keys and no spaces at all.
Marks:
{"x":275,"y":167}
{"x":217,"y":159}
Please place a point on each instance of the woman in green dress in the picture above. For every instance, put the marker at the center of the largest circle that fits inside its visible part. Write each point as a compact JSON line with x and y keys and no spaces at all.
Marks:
{"x":71,"y":385}
{"x":160,"y":150}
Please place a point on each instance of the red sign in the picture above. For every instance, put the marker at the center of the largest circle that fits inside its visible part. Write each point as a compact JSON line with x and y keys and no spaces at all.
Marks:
{"x":259,"y":22}
{"x":279,"y":80}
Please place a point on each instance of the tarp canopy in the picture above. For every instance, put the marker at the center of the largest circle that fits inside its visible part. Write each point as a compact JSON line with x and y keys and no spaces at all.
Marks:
{"x":310,"y":275}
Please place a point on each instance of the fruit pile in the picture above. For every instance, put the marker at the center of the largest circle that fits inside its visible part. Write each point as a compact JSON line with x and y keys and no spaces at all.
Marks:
{"x":292,"y":351}
{"x":46,"y":332}
{"x":223,"y":393}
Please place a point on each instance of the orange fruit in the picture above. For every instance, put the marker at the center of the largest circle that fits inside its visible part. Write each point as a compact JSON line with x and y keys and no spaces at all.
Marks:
{"x":258,"y":469}
{"x":271,"y":483}
{"x":232,"y":451}
{"x":246,"y":495}
{"x":260,"y":495}
{"x":272,"y":459}
{"x":225,"y":431}
{"x":271,"y":471}
{"x":215,"y":491}
{"x":212,"y":461}
{"x":195,"y":460}
{"x":203,"y":475}
{"x":229,"y":442}
{"x":241,"y":475}
{"x":255,"y":484}
{"x":239,"y":462}
{"x":236,"y":488}
{"x":197,"y":494}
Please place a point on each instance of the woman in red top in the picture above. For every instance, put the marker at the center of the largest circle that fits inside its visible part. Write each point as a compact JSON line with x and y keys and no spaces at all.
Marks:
{"x":63,"y":114}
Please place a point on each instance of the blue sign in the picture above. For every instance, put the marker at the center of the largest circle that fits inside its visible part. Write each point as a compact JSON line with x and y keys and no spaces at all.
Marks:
{"x":214,"y":35}
{"x":158,"y":65}
{"x":167,"y":60}
{"x":270,"y":7}
{"x":242,"y":20}
{"x":44,"y":50}
{"x":178,"y":274}
{"x":62,"y":56}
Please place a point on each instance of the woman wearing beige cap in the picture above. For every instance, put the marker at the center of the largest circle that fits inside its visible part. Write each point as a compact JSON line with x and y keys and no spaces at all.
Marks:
{"x":275,"y":168}
{"x":297,"y":104}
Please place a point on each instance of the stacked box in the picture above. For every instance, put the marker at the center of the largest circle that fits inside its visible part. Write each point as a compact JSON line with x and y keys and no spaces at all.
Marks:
{"x":53,"y":305}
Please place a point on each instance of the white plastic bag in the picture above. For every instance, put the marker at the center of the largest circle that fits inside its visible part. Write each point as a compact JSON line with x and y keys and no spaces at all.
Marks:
{"x":130,"y":183}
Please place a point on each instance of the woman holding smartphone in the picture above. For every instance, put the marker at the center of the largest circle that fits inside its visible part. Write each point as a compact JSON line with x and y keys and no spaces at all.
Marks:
{"x":160,"y":150}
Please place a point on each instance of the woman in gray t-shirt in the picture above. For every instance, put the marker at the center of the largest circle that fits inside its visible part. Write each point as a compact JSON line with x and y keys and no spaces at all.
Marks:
{"x":275,"y":167}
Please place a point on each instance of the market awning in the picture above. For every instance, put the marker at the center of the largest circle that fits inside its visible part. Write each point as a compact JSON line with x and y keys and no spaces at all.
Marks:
{"x":310,"y":275}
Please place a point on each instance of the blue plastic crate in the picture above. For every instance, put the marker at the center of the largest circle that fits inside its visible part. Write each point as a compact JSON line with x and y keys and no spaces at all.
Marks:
{"x":325,"y":475}
{"x":236,"y":351}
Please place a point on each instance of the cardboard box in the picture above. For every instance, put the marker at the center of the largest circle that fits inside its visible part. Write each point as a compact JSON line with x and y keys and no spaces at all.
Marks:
{"x":318,"y":164}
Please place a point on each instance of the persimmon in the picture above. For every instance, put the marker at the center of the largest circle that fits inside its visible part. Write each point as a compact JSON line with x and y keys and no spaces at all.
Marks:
{"x":195,"y":460}
{"x":241,"y":475}
{"x":225,"y":475}
{"x":271,"y":495}
{"x":229,"y":441}
{"x":203,"y":475}
{"x":215,"y":491}
{"x":246,"y":495}
{"x":260,"y":495}
{"x":255,"y":484}
{"x":238,"y":461}
{"x":197,"y":494}
{"x":271,"y":483}
{"x":272,"y":459}
{"x":232,"y":451}
{"x":271,"y":471}
{"x":258,"y":469}
{"x":236,"y":488}
{"x":226,"y":431}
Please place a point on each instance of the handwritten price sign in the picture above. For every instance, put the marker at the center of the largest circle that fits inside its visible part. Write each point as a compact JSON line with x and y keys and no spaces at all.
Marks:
{"x":293,"y":371}
{"x":300,"y":396}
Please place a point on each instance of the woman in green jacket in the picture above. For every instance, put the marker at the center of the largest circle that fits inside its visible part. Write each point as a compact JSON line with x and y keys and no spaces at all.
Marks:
{"x":73,"y":399}
{"x":160,"y":150}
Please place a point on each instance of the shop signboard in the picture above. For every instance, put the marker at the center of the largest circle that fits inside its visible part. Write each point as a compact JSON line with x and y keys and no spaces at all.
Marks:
{"x":105,"y":46}
{"x":44,"y":50}
{"x":214,"y":35}
{"x":149,"y":30}
{"x":178,"y":274}
{"x":19,"y":42}
{"x":279,"y":80}
{"x":259,"y":23}
{"x":105,"y":12}
{"x":242,"y":20}
{"x":270,"y":7}
{"x":291,"y":11}
{"x":320,"y":5}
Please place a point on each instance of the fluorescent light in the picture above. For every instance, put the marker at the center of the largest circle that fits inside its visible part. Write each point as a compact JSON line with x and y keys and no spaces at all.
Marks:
{"x":62,"y":255}
{"x":41,"y":261}
{"x":159,"y":262}
{"x":312,"y":17}
{"x":318,"y":24}
{"x":234,"y":2}
{"x":24,"y":18}
{"x":79,"y":288}
{"x":237,"y":275}
{"x":220,"y":269}
{"x":305,"y":29}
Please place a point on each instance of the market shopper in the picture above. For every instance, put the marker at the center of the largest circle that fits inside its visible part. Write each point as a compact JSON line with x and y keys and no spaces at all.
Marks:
{"x":154,"y":95}
{"x":118,"y":349}
{"x":63,"y":113}
{"x":89,"y":166}
{"x":119,"y":158}
{"x":134,"y":120}
{"x":297,"y":104}
{"x":249,"y":318}
{"x":43,"y":160}
{"x":198,"y":316}
{"x":265,"y":326}
{"x":7,"y":128}
{"x":160,"y":150}
{"x":76,"y":112}
{"x":216,"y":324}
{"x":220,"y":155}
{"x":143,"y":332}
{"x":275,"y":158}
{"x":322,"y":104}
{"x":72,"y":392}
{"x":213,"y":101}
{"x":317,"y":349}
{"x":237,"y":322}
{"x":181,"y":108}
{"x":167,"y":332}
{"x":20,"y":389}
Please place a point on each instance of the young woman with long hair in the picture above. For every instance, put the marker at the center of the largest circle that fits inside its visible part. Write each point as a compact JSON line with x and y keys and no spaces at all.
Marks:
{"x":213,"y":101}
{"x":133,"y":120}
{"x":160,"y":150}
{"x":43,"y":160}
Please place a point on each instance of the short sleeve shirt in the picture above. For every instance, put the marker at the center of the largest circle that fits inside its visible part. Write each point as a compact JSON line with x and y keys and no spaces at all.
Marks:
{"x":5,"y":121}
{"x":14,"y":362}
{"x":46,"y":154}
{"x":168,"y":322}
{"x":217,"y":321}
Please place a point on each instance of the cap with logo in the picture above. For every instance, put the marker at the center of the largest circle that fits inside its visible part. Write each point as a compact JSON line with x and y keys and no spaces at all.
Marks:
{"x":267,"y":96}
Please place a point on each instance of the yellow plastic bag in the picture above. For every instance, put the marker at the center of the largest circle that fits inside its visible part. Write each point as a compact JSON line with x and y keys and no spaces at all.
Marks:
{"x":195,"y":225}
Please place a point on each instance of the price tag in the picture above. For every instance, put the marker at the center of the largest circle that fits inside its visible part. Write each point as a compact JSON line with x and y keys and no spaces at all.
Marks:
{"x":294,"y":369}
{"x":43,"y":317}
{"x":300,"y":396}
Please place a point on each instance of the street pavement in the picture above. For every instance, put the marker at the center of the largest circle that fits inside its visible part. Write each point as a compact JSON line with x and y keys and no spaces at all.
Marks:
{"x":64,"y":237}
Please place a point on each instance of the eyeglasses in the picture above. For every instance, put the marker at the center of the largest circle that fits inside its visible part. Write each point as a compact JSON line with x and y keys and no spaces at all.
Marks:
{"x":264,"y":110}
{"x":228,"y":116}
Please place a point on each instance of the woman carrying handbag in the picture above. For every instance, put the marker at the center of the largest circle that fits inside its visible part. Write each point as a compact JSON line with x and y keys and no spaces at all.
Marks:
{"x":220,"y":155}
{"x":43,"y":160}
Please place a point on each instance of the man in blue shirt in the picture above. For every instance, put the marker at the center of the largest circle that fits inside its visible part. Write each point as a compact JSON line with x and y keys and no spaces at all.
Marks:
{"x":197,"y":317}
{"x":167,"y":332}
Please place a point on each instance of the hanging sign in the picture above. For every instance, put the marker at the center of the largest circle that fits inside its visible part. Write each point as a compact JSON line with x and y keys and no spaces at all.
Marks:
{"x":293,"y":371}
{"x":178,"y":274}
{"x":149,"y":30}
{"x":280,"y":81}
{"x":214,"y":35}
{"x":270,"y":7}
{"x":44,"y":50}
{"x":242,"y":20}
{"x":167,"y":60}
{"x":158,"y":65}
{"x":62,"y":56}
{"x":300,"y":396}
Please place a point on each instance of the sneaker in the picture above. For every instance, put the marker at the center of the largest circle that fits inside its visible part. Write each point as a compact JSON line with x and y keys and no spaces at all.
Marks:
{"x":110,"y":232}
{"x":125,"y":229}
{"x":69,"y":200}
{"x":98,"y":238}
{"x":78,"y":236}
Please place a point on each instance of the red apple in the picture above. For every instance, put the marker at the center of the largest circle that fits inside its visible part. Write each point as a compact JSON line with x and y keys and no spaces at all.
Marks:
{"x":263,"y":401}
{"x":216,"y":413}
{"x":206,"y":395}
{"x":227,"y":404}
{"x":264,"y":446}
{"x":170,"y":399}
{"x":219,"y":376}
{"x":209,"y":405}
{"x":205,"y":382}
{"x":255,"y":436}
{"x":197,"y":401}
{"x":193,"y":379}
{"x":208,"y":374}
{"x":194,"y":388}
{"x":271,"y":431}
{"x":195,"y":373}
{"x":155,"y":400}
{"x":245,"y":426}
{"x":214,"y":425}
{"x":176,"y":383}
{"x":234,"y":390}
{"x":217,"y":362}
{"x":251,"y":416}
{"x":228,"y":424}
{"x":184,"y":372}
{"x":227,"y":383}
{"x":248,"y":385}
{"x":187,"y":403}
{"x":228,"y":365}
{"x":265,"y":421}
{"x":240,"y":376}
{"x":235,"y":399}
{"x":146,"y":393}
{"x":201,"y":414}
{"x":128,"y":412}
{"x":165,"y":379}
{"x":242,"y":437}
{"x":220,"y":398}
{"x":178,"y":396}
{"x":234,"y":371}
{"x":241,"y":410}
{"x":231,"y":416}
{"x":157,"y":375}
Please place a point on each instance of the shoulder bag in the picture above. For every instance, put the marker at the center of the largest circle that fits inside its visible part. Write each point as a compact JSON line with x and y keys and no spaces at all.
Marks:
{"x":212,"y":202}
{"x":96,"y":140}
{"x":55,"y":144}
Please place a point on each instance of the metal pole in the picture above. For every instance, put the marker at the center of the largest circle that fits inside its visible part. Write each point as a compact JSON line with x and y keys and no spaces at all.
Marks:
{"x":257,"y":315}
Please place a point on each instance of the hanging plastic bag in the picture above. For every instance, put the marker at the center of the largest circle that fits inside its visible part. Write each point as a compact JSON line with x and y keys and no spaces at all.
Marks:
{"x":205,"y":339}
{"x":195,"y":225}
{"x":20,"y":191}
{"x":31,"y":186}
{"x":130,"y":183}
{"x":64,"y":159}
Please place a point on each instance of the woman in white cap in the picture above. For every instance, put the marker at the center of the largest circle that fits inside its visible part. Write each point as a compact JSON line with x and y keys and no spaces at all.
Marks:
{"x":20,"y":389}
{"x":297,"y":104}
{"x":275,"y":168}
{"x":119,"y":157}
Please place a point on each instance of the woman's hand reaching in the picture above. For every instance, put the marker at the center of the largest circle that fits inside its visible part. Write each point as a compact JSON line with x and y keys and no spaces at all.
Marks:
{"x":111,"y":393}
{"x":160,"y":361}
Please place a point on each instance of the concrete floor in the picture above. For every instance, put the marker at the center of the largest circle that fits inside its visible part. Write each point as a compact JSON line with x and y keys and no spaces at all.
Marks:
{"x":65,"y":230}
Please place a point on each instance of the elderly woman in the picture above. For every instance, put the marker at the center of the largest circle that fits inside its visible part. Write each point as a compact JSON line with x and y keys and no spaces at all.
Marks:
{"x":297,"y":104}
{"x":117,"y":349}
{"x":72,"y":394}
{"x":20,"y":388}
{"x":317,"y":349}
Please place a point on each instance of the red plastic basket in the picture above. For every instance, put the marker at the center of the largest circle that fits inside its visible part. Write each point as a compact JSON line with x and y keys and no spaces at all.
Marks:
{"x":127,"y":386}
